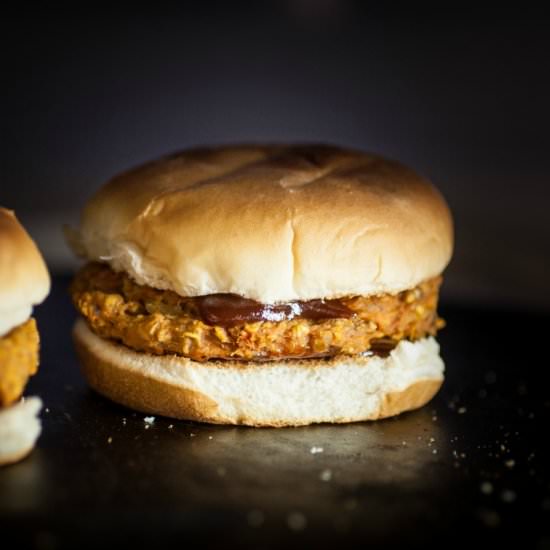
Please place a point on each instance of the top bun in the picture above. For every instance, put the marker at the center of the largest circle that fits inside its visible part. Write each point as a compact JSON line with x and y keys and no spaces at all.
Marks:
{"x":24,"y":278}
{"x":271,"y":223}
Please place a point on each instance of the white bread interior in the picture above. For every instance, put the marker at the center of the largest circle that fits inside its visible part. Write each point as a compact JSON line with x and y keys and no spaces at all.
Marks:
{"x":19,"y":429}
{"x":271,"y":223}
{"x":24,"y":278}
{"x":283,"y":393}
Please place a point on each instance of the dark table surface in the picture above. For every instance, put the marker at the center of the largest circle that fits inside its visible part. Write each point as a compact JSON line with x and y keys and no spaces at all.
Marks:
{"x":472,"y":463}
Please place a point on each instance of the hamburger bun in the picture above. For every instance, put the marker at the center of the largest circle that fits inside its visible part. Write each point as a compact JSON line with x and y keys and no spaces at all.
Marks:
{"x":270,"y":223}
{"x":19,"y":429}
{"x":24,"y":278}
{"x":24,"y":282}
{"x":274,"y":393}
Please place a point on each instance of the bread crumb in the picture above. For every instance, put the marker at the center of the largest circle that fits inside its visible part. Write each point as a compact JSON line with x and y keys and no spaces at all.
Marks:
{"x":210,"y":437}
{"x":462,"y":410}
{"x":149,"y":419}
{"x":47,"y":409}
{"x":192,"y":435}
{"x":296,"y":521}
{"x":434,"y":451}
{"x":147,"y":426}
{"x":316,"y":450}
{"x":170,"y":426}
{"x":510,"y":463}
{"x":326,"y":475}
{"x":109,"y":440}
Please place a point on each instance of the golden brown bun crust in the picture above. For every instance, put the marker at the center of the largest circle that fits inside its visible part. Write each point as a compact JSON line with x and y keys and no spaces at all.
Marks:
{"x":24,"y":278}
{"x":6,"y":460}
{"x":180,"y":388}
{"x":271,"y":223}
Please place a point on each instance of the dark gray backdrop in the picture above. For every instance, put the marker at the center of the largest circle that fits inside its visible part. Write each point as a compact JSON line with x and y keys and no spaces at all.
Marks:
{"x":461,"y":97}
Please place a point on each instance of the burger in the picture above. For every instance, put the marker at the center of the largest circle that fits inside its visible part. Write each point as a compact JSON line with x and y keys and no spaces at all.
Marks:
{"x":24,"y":282}
{"x":263,"y":285}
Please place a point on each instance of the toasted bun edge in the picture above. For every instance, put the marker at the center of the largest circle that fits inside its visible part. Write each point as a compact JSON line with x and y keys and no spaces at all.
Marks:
{"x":277,"y":394}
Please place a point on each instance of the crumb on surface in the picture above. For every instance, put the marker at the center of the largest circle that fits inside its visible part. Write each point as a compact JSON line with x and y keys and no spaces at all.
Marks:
{"x":315,"y":450}
{"x":109,"y":440}
{"x":149,"y":419}
{"x":325,"y":475}
{"x":462,"y":410}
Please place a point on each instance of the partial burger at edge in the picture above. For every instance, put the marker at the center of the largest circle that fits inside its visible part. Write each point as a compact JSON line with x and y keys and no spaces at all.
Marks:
{"x":24,"y":282}
{"x":264,"y":286}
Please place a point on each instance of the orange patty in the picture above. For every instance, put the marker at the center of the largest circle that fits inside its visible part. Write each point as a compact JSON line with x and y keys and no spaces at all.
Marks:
{"x":162,"y":322}
{"x":18,"y":360}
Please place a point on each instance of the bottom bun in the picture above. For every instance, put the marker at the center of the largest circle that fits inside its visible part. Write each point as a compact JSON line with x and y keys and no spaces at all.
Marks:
{"x":275,"y":393}
{"x":19,"y":429}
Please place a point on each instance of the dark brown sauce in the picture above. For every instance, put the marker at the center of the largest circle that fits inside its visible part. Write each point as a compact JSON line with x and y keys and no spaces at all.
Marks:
{"x":229,"y":310}
{"x":382,"y":346}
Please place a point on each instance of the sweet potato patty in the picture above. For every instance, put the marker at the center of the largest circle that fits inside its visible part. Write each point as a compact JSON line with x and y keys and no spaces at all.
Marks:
{"x":18,"y":360}
{"x":162,"y":322}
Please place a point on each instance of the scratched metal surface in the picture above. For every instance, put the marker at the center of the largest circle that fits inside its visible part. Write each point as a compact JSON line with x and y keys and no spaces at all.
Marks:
{"x":471,"y":463}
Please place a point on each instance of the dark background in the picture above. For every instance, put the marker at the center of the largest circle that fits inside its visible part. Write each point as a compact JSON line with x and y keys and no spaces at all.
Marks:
{"x":461,"y":97}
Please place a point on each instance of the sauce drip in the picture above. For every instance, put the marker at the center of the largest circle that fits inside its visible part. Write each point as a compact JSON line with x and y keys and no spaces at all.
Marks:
{"x":229,"y":310}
